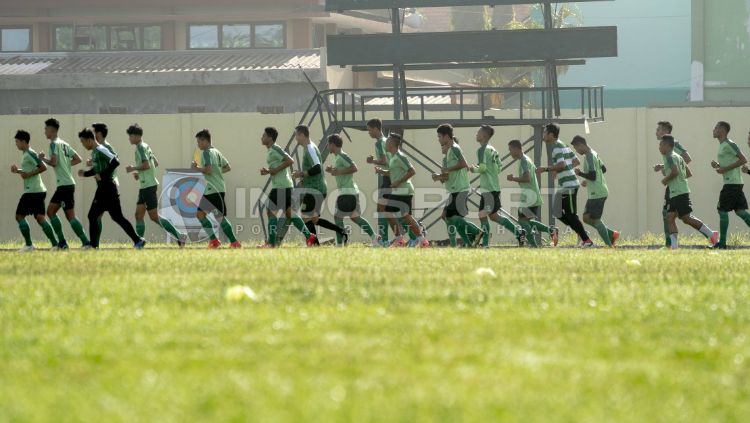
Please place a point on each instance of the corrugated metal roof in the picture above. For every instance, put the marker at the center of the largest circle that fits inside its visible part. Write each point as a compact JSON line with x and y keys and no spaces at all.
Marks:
{"x":428,"y":100}
{"x":157,"y":62}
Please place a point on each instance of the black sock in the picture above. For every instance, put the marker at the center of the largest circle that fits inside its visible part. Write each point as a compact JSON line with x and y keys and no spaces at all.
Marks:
{"x":328,"y":225}
{"x":577,"y":226}
{"x":311,"y":227}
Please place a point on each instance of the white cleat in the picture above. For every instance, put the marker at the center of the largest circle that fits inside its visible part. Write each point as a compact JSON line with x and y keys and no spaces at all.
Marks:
{"x":26,"y":249}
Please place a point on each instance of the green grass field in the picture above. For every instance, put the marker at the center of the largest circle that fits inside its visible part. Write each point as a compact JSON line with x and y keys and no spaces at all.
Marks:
{"x":364,"y":334}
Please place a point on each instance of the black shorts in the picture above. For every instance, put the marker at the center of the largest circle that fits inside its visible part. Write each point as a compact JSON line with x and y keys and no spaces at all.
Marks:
{"x":528,"y":213}
{"x":347,"y":204}
{"x":279,"y":199}
{"x":565,"y":202}
{"x":595,"y":208}
{"x":457,"y":205}
{"x":106,"y":198}
{"x":666,"y":199}
{"x":64,"y":195}
{"x":681,"y":205}
{"x":213,"y":202}
{"x":31,"y":204}
{"x":490,"y":202}
{"x":312,"y":203}
{"x":148,"y":197}
{"x":399,"y":204}
{"x":732,"y":198}
{"x":385,"y":182}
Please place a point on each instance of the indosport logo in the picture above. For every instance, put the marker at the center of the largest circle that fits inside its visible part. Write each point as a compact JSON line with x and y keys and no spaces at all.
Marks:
{"x":182,"y":196}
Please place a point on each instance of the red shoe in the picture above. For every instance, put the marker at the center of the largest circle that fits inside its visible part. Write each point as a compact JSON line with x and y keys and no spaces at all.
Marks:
{"x":214,"y":244}
{"x":715,"y":238}
{"x":424,"y":244}
{"x":398,"y":243}
{"x":235,"y":245}
{"x":615,"y":237}
{"x":311,"y":240}
{"x":555,"y":236}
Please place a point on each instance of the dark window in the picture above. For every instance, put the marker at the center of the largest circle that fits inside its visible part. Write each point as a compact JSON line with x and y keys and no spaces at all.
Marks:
{"x":15,"y":39}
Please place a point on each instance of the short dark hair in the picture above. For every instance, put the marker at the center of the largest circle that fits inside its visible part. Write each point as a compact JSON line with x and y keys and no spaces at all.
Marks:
{"x":101,"y":127}
{"x":725,"y":125}
{"x":134,"y":129}
{"x":553,"y":129}
{"x":578,"y":140}
{"x":665,"y":125}
{"x":336,"y":140}
{"x":52,"y":123}
{"x":515,"y":144}
{"x":445,"y":129}
{"x":375,"y":123}
{"x":204,"y":134}
{"x":23,"y":136}
{"x":668,"y":139}
{"x":397,"y":138}
{"x":490,"y":131}
{"x":303,"y":129}
{"x":86,"y":134}
{"x":271,"y":132}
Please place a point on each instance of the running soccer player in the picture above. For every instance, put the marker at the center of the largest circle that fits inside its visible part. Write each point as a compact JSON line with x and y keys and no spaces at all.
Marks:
{"x":100,"y":132}
{"x":665,"y":128}
{"x":34,"y":192}
{"x":213,"y":165}
{"x":314,"y":185}
{"x":347,"y":203}
{"x":107,"y":197}
{"x":380,"y":159}
{"x":676,"y":174}
{"x":62,"y":157}
{"x":144,"y":171}
{"x":531,"y":197}
{"x":732,"y":198}
{"x":596,"y":187}
{"x":455,"y":175}
{"x":489,"y":167}
{"x":401,"y":195}
{"x":280,"y":197}
{"x":565,"y":207}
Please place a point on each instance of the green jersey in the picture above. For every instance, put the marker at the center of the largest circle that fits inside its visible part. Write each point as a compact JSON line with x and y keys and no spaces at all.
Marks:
{"x":489,"y":169}
{"x":30,"y":161}
{"x":561,"y":153}
{"x":214,"y":180}
{"x":531,"y":195}
{"x":679,"y":149}
{"x":111,"y":149}
{"x":311,"y":158}
{"x":381,"y":153}
{"x":679,"y":184}
{"x":147,"y":178}
{"x":345,"y":183}
{"x":274,"y":158}
{"x":398,"y":166}
{"x":597,"y":188}
{"x":458,"y":181}
{"x":101,"y":157}
{"x":729,"y":153}
{"x":64,"y":153}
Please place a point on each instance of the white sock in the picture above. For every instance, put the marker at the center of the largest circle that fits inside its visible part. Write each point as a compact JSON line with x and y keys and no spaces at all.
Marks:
{"x":673,"y":240}
{"x":706,"y":231}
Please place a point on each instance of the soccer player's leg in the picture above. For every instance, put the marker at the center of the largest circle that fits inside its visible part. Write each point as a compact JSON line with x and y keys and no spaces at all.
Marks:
{"x":35,"y":207}
{"x":741,"y":207}
{"x":570,"y":216}
{"x":664,"y":212}
{"x":592,"y":216}
{"x":494,"y":215}
{"x":485,"y":208}
{"x":204,"y":207}
{"x":220,"y":204}
{"x":68,"y":206}
{"x":682,"y":205}
{"x":151,"y":205}
{"x":21,"y":212}
{"x":95,"y":218}
{"x":324,"y":223}
{"x":114,"y":208}
{"x":383,"y":223}
{"x":55,"y":204}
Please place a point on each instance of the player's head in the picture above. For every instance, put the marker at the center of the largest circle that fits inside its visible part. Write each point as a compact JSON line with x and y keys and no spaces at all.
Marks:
{"x":135,"y":133}
{"x":51,"y":126}
{"x":663,"y":128}
{"x":445,"y":134}
{"x":515,"y":148}
{"x":101,"y":131}
{"x":666,"y":145}
{"x":485,"y":133}
{"x":394,"y":142}
{"x":580,"y":145}
{"x":203,"y":139}
{"x":551,"y":132}
{"x":270,"y":134}
{"x":335,"y":143}
{"x":375,"y":128}
{"x":23,"y":139}
{"x":88,"y":139}
{"x":302,"y":134}
{"x":721,"y":130}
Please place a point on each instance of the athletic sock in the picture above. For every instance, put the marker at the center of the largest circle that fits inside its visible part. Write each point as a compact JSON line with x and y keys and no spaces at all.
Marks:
{"x":673,"y":241}
{"x":23,"y":226}
{"x":604,"y":233}
{"x":541,"y":227}
{"x":311,"y":227}
{"x":406,"y":228}
{"x":339,"y":235}
{"x":723,"y":228}
{"x":140,"y":228}
{"x":706,"y":231}
{"x":452,"y":229}
{"x":226,"y":227}
{"x":327,"y":224}
{"x":383,"y":228}
{"x":208,"y":227}
{"x":57,"y":226}
{"x":485,"y":222}
{"x":530,"y":237}
{"x":78,"y":229}
{"x":273,"y":227}
{"x":364,"y":224}
{"x":667,"y":236}
{"x":301,"y":226}
{"x":169,"y":227}
{"x":100,"y":225}
{"x":744,"y":215}
{"x":47,"y":228}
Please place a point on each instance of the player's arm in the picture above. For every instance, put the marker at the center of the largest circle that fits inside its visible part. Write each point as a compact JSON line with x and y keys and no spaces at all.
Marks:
{"x":381,"y":171}
{"x":345,"y":171}
{"x":523,"y":179}
{"x":288,"y":161}
{"x":590,"y":175}
{"x":52,"y":160}
{"x":207,"y":167}
{"x":226,"y":168}
{"x":458,"y":166}
{"x":741,"y":160}
{"x":686,"y":156}
{"x":667,"y":179}
{"x":41,"y":167}
{"x":688,"y":172}
{"x":75,"y":160}
{"x":409,"y":173}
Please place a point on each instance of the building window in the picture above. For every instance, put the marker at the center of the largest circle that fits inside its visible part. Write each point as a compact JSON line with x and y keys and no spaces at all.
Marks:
{"x":319,"y":36}
{"x":15,"y":39}
{"x":236,"y":36}
{"x":101,"y":37}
